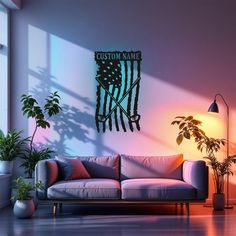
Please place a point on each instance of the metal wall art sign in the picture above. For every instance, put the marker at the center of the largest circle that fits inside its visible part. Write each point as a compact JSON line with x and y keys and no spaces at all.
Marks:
{"x":118,"y":78}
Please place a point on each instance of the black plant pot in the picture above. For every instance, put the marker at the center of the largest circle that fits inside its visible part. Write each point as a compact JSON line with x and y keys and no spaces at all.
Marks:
{"x":218,"y":200}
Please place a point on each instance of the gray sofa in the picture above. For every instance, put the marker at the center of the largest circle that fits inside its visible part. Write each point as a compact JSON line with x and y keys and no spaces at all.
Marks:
{"x":125,"y":179}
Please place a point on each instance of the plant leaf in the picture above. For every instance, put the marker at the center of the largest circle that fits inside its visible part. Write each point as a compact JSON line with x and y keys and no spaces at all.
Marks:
{"x":179,"y":139}
{"x":187,"y":135}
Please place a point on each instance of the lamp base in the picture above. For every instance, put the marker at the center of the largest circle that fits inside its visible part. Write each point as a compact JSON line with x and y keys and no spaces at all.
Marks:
{"x":226,"y":207}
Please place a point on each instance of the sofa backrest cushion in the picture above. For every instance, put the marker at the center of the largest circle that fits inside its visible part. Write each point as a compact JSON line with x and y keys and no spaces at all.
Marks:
{"x":151,"y":167}
{"x":72,"y":168}
{"x":101,"y":166}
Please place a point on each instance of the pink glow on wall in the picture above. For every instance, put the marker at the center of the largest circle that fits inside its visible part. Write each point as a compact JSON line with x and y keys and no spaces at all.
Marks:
{"x":41,"y":135}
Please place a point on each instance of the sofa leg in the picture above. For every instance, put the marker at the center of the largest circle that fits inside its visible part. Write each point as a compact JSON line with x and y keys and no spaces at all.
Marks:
{"x":54,"y":209}
{"x":60,"y":207}
{"x":187,"y":208}
{"x":176,"y":206}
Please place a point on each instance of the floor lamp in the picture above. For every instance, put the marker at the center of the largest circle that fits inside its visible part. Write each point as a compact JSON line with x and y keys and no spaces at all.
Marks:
{"x":214,"y":108}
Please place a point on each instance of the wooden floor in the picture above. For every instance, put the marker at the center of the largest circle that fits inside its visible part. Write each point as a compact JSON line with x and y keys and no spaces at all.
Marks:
{"x":120,"y":221}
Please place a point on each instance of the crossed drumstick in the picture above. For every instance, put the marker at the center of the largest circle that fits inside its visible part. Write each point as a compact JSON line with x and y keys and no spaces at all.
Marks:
{"x":133,"y":118}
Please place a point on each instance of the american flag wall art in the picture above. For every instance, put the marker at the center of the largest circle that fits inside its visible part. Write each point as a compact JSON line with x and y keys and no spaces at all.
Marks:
{"x":118,"y":86}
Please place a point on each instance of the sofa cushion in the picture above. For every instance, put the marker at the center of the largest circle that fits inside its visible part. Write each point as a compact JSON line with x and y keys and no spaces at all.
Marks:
{"x":151,"y":167}
{"x":102,"y":166}
{"x":85,"y":189}
{"x":72,"y":168}
{"x":156,"y":189}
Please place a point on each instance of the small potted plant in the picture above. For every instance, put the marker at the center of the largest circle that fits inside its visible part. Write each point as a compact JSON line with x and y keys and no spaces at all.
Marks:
{"x":189,"y":128}
{"x":24,"y":205}
{"x":11,"y":146}
{"x":41,"y":116}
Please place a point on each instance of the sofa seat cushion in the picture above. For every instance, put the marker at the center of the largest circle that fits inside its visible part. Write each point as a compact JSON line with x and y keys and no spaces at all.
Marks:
{"x":85,"y":189}
{"x":156,"y":189}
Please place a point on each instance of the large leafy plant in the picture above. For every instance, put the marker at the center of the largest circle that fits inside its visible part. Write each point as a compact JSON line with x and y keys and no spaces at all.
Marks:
{"x":24,"y":189}
{"x":41,"y":116}
{"x":189,"y":128}
{"x":11,"y":145}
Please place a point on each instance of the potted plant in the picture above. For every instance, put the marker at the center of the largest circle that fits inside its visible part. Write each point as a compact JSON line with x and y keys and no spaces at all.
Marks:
{"x":24,"y":205}
{"x":41,"y":116}
{"x":189,"y":128}
{"x":32,"y":157}
{"x":11,"y":146}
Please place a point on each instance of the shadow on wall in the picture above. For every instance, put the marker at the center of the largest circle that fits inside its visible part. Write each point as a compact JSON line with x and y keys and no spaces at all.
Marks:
{"x":71,"y":122}
{"x":188,"y":44}
{"x":48,"y":81}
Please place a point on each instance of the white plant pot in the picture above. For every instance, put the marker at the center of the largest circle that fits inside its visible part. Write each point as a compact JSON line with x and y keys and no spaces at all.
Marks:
{"x":6,"y":167}
{"x":24,"y":208}
{"x":32,"y":193}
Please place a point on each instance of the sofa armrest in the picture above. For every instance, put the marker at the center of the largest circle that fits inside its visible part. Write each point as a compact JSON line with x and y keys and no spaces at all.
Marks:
{"x":196,"y":174}
{"x":47,"y":172}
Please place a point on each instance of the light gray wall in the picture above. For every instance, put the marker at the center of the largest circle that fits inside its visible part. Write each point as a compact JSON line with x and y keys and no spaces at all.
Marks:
{"x":189,"y":54}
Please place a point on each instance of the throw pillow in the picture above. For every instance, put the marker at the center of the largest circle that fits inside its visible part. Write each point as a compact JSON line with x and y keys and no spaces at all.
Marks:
{"x":72,"y":168}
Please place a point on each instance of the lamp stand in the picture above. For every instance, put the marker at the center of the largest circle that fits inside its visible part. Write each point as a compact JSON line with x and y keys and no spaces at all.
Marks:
{"x":227,"y":152}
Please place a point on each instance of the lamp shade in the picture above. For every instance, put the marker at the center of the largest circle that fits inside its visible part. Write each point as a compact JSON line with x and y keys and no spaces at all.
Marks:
{"x":213,"y":107}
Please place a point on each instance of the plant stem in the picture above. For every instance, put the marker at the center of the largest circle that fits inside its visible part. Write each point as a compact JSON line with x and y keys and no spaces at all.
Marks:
{"x":214,"y":181}
{"x":32,"y":139}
